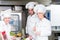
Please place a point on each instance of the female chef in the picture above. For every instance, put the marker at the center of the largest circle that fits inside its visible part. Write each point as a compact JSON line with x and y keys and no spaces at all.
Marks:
{"x":43,"y":26}
{"x":5,"y":24}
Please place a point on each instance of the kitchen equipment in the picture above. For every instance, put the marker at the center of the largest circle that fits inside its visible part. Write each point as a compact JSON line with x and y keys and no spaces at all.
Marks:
{"x":58,"y":37}
{"x":16,"y":22}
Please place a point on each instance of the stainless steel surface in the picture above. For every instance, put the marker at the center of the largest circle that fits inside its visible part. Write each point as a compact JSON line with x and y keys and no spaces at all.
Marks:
{"x":13,"y":2}
{"x":17,"y":22}
{"x":22,"y":2}
{"x":55,"y":28}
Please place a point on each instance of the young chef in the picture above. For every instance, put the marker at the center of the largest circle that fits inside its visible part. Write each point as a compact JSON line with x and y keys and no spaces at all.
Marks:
{"x":5,"y":24}
{"x":43,"y":26}
{"x":31,"y":19}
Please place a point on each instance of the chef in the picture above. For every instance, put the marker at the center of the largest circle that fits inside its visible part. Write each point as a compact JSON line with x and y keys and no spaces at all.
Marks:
{"x":30,"y":19}
{"x":5,"y":24}
{"x":43,"y":26}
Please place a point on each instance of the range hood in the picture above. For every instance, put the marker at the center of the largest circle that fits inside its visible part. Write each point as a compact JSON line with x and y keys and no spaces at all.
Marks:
{"x":56,"y":1}
{"x":23,"y":2}
{"x":13,"y":2}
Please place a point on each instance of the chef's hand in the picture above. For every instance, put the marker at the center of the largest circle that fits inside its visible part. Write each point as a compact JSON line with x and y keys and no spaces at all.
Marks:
{"x":30,"y":37}
{"x":37,"y":33}
{"x":34,"y":29}
{"x":0,"y":32}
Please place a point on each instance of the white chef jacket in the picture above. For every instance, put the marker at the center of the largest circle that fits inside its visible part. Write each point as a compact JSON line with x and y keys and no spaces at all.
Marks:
{"x":1,"y":28}
{"x":6,"y":28}
{"x":44,"y":28}
{"x":31,"y":21}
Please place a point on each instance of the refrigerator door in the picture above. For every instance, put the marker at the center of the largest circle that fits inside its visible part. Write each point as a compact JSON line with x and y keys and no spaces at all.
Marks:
{"x":16,"y":22}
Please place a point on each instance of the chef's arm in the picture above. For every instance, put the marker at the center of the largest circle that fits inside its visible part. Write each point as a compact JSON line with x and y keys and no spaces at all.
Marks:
{"x":27,"y":26}
{"x":37,"y":31}
{"x":46,"y":31}
{"x":49,"y":31}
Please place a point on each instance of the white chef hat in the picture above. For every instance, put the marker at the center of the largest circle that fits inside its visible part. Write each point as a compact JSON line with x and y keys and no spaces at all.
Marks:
{"x":6,"y":13}
{"x":31,"y":5}
{"x":39,"y":8}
